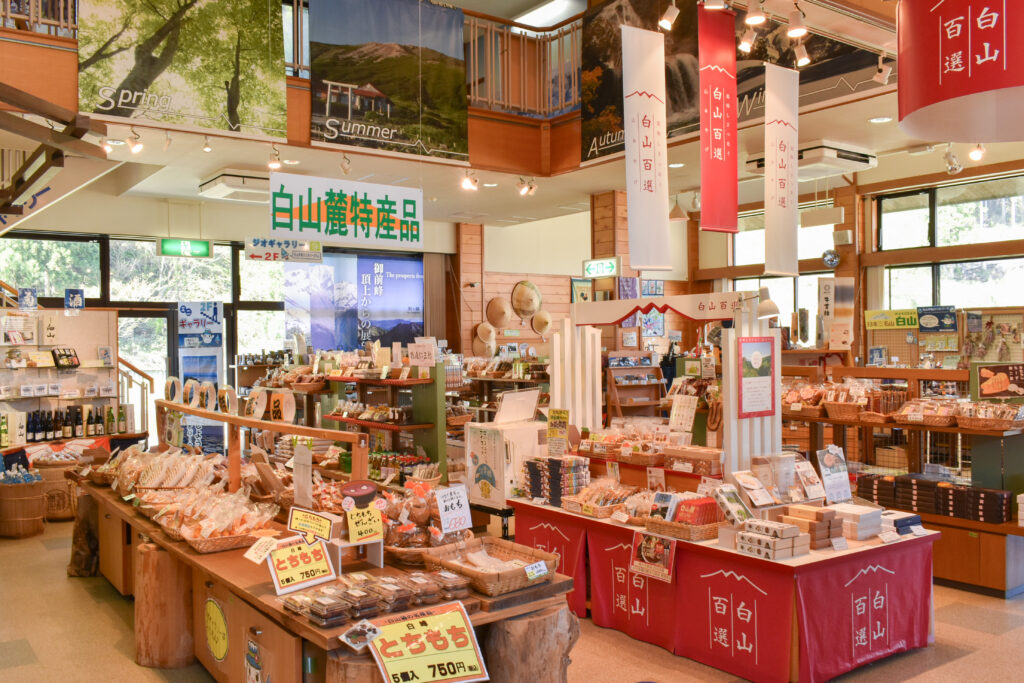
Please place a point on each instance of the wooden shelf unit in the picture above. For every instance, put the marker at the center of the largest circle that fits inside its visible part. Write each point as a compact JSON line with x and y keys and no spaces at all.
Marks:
{"x":643,"y":399}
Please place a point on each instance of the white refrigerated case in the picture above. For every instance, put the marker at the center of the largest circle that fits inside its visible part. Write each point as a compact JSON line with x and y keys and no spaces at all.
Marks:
{"x":494,"y":458}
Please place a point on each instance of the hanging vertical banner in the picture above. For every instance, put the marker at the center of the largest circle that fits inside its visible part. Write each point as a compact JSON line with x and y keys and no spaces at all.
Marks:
{"x":643,"y":96}
{"x":718,"y":166}
{"x":200,"y":327}
{"x":781,"y":139}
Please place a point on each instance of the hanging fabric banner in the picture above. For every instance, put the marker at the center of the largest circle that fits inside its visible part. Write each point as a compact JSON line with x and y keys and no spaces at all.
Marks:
{"x":643,"y":96}
{"x":781,"y":140}
{"x":718,"y":165}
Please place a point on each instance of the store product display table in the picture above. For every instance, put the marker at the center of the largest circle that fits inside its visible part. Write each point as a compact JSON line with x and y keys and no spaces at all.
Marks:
{"x":295,"y":644}
{"x":808,"y":618}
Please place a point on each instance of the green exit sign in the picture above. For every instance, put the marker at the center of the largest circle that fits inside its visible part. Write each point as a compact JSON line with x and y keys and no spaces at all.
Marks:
{"x":601,"y":267}
{"x":187,"y":248}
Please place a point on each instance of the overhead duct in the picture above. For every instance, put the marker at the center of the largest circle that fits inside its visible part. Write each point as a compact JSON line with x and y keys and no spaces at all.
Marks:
{"x":822,"y":159}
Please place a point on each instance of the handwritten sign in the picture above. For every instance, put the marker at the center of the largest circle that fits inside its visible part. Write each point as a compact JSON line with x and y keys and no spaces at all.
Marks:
{"x":312,"y":525}
{"x":422,"y":355}
{"x":259,"y":550}
{"x":295,"y":564}
{"x":365,"y":524}
{"x":453,"y":504}
{"x":434,"y":644}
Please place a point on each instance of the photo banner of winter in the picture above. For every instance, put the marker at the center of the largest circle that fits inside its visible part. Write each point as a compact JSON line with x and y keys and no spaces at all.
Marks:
{"x":837,"y":70}
{"x":215,"y":65}
{"x":389,"y":74}
{"x":352,"y":299}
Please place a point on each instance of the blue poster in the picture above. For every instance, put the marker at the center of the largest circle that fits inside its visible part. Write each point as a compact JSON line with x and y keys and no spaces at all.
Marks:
{"x":27,"y":299}
{"x":936,"y":318}
{"x":74,"y":299}
{"x":348,"y":300}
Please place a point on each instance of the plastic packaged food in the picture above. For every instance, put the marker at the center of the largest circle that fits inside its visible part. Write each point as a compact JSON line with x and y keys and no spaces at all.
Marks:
{"x":297,"y":602}
{"x":425,"y":589}
{"x":361,"y":598}
{"x":327,"y":606}
{"x":453,"y":586}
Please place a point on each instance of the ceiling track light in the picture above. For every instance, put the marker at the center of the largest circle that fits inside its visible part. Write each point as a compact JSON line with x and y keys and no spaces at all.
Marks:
{"x":136,"y":144}
{"x":978,"y":153}
{"x":274,"y":162}
{"x":669,"y":17}
{"x":206,"y":144}
{"x":167,"y":140}
{"x":756,"y":16}
{"x":470,"y":181}
{"x":802,"y":58}
{"x":797,"y":28}
{"x":748,"y":40}
{"x":953,"y":165}
{"x":105,"y":144}
{"x":883,"y":72}
{"x":346,"y":164}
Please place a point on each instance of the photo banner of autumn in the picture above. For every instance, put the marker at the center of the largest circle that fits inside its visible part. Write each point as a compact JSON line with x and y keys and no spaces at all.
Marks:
{"x":216,"y":64}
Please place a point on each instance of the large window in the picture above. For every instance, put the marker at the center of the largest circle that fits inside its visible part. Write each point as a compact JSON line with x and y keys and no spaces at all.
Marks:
{"x":963,"y":284}
{"x":52,"y":265}
{"x":748,"y":243}
{"x":909,"y":287}
{"x":788,"y":293}
{"x":138,"y":273}
{"x":904,"y":221}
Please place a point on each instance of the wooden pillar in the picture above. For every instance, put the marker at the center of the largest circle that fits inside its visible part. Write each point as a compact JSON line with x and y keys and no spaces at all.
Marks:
{"x":533,"y":648}
{"x":849,"y":259}
{"x":468,"y":264}
{"x":163,"y":609}
{"x":234,"y":457}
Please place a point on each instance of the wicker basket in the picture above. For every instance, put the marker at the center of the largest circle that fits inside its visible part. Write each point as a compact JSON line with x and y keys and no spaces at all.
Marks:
{"x":842,"y":411}
{"x":685,"y":532}
{"x":102,"y":478}
{"x":459,"y":420}
{"x":644,"y":459}
{"x":984,"y":423}
{"x":432,"y":482}
{"x":492,"y":583}
{"x":874,"y":418}
{"x":22,"y":508}
{"x":927,"y":420}
{"x":309,"y":387}
{"x":61,"y":501}
{"x":805,"y":411}
{"x":173,"y":533}
{"x":573,"y":504}
{"x":413,"y":557}
{"x":221,"y":543}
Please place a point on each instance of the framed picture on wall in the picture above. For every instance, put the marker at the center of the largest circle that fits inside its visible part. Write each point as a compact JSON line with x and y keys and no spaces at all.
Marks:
{"x":629,"y":337}
{"x":651,"y":324}
{"x":581,"y":289}
{"x":645,"y":288}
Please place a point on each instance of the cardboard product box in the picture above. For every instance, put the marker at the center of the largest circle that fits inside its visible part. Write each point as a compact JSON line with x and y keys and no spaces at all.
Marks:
{"x":771,"y":528}
{"x":752,"y":538}
{"x":811,"y":512}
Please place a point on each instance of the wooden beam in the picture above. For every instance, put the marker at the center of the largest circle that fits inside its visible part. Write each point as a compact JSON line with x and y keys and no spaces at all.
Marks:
{"x":35,"y":105}
{"x":987,"y":172}
{"x":807,"y":265}
{"x":959,"y":252}
{"x":47,"y":136}
{"x":47,"y":162}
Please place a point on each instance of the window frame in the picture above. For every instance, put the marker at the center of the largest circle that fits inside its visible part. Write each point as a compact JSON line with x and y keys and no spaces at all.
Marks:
{"x":932,"y":217}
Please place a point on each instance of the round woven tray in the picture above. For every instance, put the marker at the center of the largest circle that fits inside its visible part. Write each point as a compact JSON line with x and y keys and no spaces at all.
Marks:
{"x":984,"y":423}
{"x":875,"y":418}
{"x":927,"y":420}
{"x":308,"y":387}
{"x":221,"y":543}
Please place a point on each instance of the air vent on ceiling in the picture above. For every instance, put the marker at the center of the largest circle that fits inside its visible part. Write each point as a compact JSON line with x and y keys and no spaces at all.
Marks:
{"x":238,"y":186}
{"x":823,"y":159}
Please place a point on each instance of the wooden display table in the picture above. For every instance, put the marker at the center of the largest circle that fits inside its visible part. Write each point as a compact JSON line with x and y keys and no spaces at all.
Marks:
{"x":234,"y":608}
{"x":808,"y":618}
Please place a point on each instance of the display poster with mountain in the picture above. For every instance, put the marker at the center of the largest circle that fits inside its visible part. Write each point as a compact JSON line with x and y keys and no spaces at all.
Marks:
{"x":837,"y":70}
{"x":756,"y":377}
{"x":349,"y":300}
{"x":215,"y":65}
{"x":388,"y":74}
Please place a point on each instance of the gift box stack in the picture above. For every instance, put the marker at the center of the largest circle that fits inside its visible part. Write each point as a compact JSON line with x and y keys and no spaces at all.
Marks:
{"x":899,"y":521}
{"x":988,"y":505}
{"x":772,"y":540}
{"x":859,"y":521}
{"x":915,"y":492}
{"x":878,"y":488}
{"x":552,"y":478}
{"x":951,"y":500}
{"x":821,"y":524}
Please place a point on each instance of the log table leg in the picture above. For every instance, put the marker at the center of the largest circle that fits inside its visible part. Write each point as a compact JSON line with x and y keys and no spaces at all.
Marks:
{"x":346,"y":667}
{"x":533,"y":648}
{"x":163,"y":609}
{"x":85,"y":541}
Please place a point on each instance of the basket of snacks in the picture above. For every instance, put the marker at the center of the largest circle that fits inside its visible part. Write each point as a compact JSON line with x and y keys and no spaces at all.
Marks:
{"x":996,"y":417}
{"x":927,"y":412}
{"x":842,"y":410}
{"x":640,"y":457}
{"x":413,"y":526}
{"x":685,"y":532}
{"x":493,"y":566}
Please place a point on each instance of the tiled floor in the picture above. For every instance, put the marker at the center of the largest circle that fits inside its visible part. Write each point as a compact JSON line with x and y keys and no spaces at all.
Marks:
{"x":55,"y":628}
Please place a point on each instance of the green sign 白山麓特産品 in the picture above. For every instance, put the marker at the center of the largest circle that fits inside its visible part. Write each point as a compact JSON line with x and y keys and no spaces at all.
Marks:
{"x":183,"y":247}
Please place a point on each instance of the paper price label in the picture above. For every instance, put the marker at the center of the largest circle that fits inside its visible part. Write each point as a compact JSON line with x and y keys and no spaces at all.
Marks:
{"x":680,"y":466}
{"x":435,"y":645}
{"x":310,"y":524}
{"x":365,"y":524}
{"x":294,"y":564}
{"x":453,"y":504}
{"x":918,"y":530}
{"x":796,"y":407}
{"x":259,"y":550}
{"x":588,"y":509}
{"x":536,"y":570}
{"x":840,"y":543}
{"x":539,"y":501}
{"x":889,"y":536}
{"x":620,"y":516}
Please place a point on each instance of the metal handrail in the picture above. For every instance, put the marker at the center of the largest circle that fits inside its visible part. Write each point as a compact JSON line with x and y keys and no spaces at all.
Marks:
{"x":510,"y":67}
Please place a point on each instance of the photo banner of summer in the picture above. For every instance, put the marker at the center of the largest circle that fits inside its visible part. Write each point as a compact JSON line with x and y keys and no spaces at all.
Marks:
{"x":345,"y":213}
{"x":216,"y":65}
{"x":389,"y":74}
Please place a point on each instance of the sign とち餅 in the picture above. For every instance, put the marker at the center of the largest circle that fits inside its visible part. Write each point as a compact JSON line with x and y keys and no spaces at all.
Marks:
{"x":295,"y":564}
{"x":430,"y":644}
{"x":345,"y":212}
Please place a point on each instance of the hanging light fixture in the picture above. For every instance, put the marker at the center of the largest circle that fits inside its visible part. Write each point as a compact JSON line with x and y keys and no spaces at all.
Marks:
{"x":883,"y":73}
{"x":470,"y":181}
{"x":766,"y":308}
{"x":802,"y":58}
{"x":978,"y":153}
{"x":136,"y":144}
{"x":274,"y":162}
{"x":756,"y":16}
{"x":797,"y":28}
{"x":678,"y":213}
{"x":953,"y":165}
{"x":207,"y":147}
{"x":669,"y":17}
{"x":747,"y":41}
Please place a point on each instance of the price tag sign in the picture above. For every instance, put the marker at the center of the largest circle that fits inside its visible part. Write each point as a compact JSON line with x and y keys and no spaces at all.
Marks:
{"x":536,"y":570}
{"x":435,"y":644}
{"x":620,"y":516}
{"x":365,"y":524}
{"x":422,"y":355}
{"x":680,"y":466}
{"x":539,"y":501}
{"x":312,"y":525}
{"x":453,"y":504}
{"x":294,"y":564}
{"x":840,"y":543}
{"x":889,"y":536}
{"x":259,"y":550}
{"x":918,"y":530}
